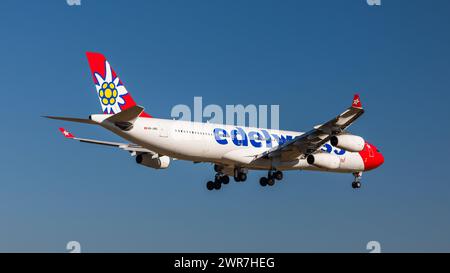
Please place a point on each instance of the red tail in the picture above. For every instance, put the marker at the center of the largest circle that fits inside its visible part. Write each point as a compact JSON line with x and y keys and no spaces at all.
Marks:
{"x":113,"y":95}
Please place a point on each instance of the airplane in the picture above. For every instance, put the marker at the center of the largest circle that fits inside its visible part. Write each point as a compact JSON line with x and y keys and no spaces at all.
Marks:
{"x":232,"y":150}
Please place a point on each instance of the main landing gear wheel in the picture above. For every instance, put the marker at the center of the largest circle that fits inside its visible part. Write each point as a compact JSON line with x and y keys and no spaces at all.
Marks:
{"x":218,"y":168}
{"x":263,"y":181}
{"x":278,"y":175}
{"x":225,"y":179}
{"x":217,"y":185}
{"x":356,"y":185}
{"x":218,"y":181}
{"x":210,"y":185}
{"x":240,"y":176}
{"x":271,"y":178}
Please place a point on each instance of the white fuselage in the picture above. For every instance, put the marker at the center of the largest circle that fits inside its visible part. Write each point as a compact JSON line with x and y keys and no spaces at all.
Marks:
{"x":231,"y":146}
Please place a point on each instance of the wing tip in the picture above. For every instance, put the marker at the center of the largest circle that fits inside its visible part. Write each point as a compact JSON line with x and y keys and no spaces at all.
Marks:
{"x":66,"y":133}
{"x":356,"y":103}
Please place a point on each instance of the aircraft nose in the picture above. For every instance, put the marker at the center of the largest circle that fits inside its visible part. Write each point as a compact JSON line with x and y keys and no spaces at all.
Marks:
{"x":379,"y":159}
{"x":372,"y":157}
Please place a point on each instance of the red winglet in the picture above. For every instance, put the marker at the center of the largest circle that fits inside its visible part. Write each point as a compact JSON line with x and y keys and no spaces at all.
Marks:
{"x":356,"y":102}
{"x":66,"y":133}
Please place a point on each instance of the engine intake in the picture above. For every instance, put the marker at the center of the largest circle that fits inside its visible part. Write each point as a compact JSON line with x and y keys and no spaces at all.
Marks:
{"x":147,"y":160}
{"x":349,"y":143}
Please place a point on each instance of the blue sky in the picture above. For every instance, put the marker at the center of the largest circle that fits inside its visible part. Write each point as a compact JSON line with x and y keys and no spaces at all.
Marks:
{"x":307,"y":56}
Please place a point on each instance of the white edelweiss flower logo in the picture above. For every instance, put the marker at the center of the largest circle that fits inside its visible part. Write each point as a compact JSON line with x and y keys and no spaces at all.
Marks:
{"x":110,"y":91}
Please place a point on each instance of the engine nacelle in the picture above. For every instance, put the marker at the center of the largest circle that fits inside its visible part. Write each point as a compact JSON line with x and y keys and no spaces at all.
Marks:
{"x":349,"y":143}
{"x":324,"y":160}
{"x":162,"y":162}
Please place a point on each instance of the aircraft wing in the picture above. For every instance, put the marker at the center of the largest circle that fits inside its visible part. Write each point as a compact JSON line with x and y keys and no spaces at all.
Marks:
{"x":312,"y":140}
{"x":130,"y":147}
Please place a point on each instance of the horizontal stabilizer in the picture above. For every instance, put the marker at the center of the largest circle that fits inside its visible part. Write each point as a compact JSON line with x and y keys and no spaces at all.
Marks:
{"x":129,"y":147}
{"x":79,"y":120}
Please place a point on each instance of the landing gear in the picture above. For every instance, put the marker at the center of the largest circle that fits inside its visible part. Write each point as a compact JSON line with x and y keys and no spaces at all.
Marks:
{"x":271,"y":178}
{"x":240,"y":175}
{"x":222,"y":178}
{"x":278,"y":175}
{"x":218,"y":168}
{"x":218,"y":181}
{"x":263,"y":181}
{"x":225,"y":179}
{"x":217,"y":185}
{"x":356,"y":184}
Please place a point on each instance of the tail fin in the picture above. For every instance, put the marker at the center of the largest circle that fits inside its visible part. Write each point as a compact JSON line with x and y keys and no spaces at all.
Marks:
{"x":113,"y":95}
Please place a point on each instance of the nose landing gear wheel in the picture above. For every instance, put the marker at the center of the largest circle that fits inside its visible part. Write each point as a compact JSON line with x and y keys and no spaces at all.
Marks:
{"x":356,"y":185}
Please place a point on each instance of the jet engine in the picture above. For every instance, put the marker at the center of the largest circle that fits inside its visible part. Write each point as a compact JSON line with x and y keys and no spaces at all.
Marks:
{"x":324,"y":160}
{"x":147,"y":160}
{"x":349,"y":143}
